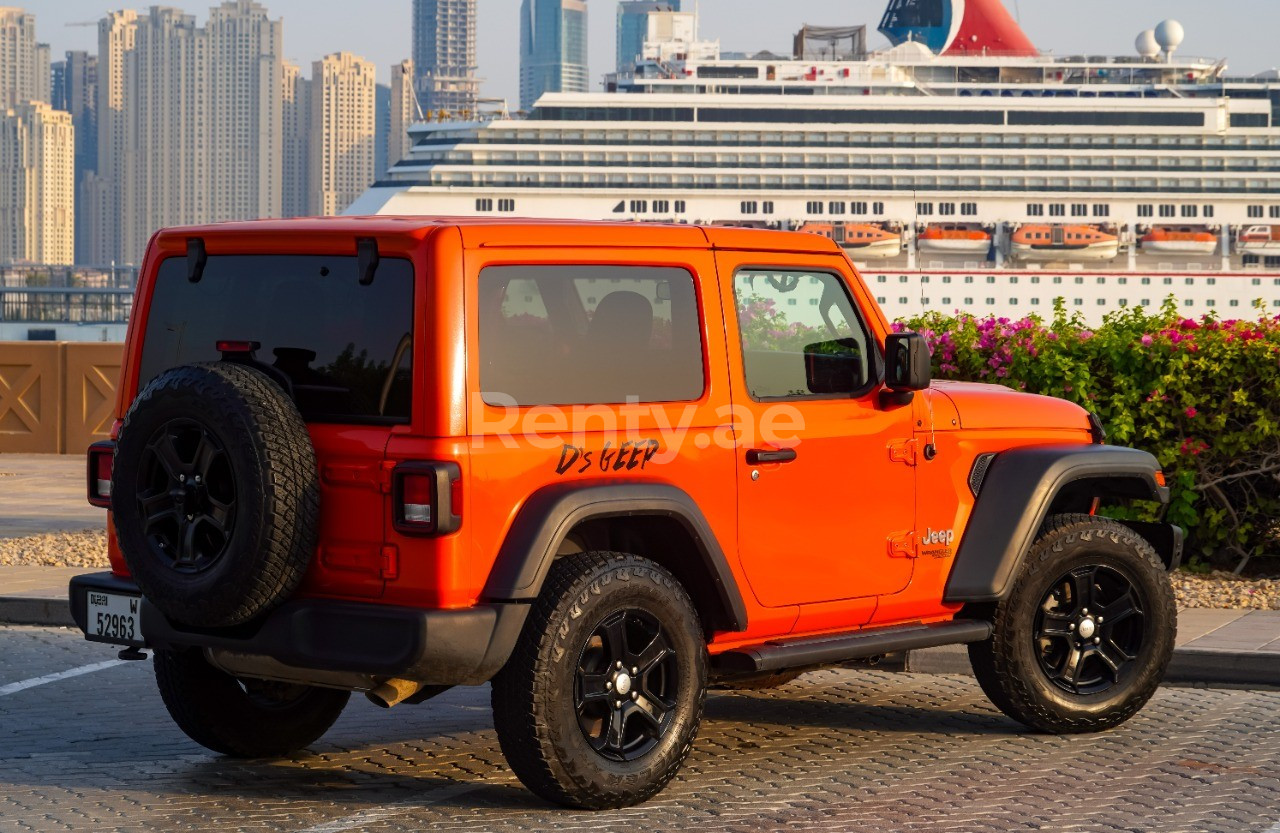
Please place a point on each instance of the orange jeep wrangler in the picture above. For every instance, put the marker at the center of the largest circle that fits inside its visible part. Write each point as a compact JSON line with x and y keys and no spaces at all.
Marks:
{"x":601,"y":467}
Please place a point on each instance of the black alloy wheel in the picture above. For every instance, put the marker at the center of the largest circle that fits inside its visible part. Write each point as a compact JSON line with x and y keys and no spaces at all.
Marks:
{"x":1090,"y":629}
{"x":601,"y":699}
{"x":215,"y":494}
{"x":626,"y":687}
{"x":1082,"y":638}
{"x":186,"y":495}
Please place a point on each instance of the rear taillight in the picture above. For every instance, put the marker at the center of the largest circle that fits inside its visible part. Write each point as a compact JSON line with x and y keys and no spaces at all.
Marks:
{"x":426,"y":498}
{"x":101,"y":459}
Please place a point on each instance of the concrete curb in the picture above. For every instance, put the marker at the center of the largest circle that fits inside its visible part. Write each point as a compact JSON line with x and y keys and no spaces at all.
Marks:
{"x":29,"y":610}
{"x":1190,"y":666}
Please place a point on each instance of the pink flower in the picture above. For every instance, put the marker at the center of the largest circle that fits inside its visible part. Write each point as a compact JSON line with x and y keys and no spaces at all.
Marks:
{"x":1191,"y":413}
{"x":1146,"y":340}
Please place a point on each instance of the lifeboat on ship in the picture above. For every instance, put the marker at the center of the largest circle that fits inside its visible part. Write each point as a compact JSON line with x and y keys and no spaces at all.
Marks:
{"x":1060,"y":242}
{"x":1259,"y":239}
{"x":955,"y":238}
{"x":859,"y":240}
{"x":1179,"y":240}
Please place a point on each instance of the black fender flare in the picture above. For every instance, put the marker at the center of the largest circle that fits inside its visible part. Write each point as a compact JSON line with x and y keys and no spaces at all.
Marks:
{"x":551,"y":513}
{"x":1015,"y":497}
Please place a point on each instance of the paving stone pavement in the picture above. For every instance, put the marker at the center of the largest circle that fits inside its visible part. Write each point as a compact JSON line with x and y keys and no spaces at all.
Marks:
{"x":840,"y":750}
{"x":45,"y":493}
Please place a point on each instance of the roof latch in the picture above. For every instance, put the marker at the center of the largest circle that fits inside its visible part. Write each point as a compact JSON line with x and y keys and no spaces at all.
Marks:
{"x":197,"y":259}
{"x":366,"y":259}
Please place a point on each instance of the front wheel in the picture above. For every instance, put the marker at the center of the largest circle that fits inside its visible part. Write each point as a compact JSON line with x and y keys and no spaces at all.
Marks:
{"x":600,"y":702}
{"x":243,"y":718}
{"x":1084,"y":638}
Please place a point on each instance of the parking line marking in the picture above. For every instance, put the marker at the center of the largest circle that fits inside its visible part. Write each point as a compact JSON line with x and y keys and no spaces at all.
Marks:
{"x":14,"y":688}
{"x":377,"y":814}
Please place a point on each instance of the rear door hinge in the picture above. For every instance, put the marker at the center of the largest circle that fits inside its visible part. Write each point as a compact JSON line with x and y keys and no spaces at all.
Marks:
{"x":904,"y":451}
{"x":390,"y":562}
{"x":903,"y":546}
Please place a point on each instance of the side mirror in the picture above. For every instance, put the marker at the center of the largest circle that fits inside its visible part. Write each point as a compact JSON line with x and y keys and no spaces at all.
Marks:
{"x":908,"y":365}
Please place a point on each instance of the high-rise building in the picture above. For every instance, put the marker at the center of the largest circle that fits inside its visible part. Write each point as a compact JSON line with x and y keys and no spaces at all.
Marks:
{"x":553,"y":48}
{"x":343,"y":129}
{"x":246,"y":66}
{"x":18,"y":84}
{"x":404,"y":112}
{"x":43,"y":78}
{"x":168,"y":129}
{"x":37,"y":185}
{"x":639,"y":22}
{"x":381,"y":128}
{"x":75,"y":90}
{"x":190,"y":124}
{"x":57,"y":89}
{"x":444,"y":56}
{"x":101,"y":193}
{"x":296,"y":123}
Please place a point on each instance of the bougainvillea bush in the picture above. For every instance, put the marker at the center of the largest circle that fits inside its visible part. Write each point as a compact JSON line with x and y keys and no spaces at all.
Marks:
{"x":1202,"y":395}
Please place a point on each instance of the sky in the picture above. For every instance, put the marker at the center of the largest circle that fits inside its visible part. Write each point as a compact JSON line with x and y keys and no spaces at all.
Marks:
{"x":379,"y":29}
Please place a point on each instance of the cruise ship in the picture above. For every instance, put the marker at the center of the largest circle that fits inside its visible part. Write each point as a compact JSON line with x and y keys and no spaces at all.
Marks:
{"x":960,"y":167}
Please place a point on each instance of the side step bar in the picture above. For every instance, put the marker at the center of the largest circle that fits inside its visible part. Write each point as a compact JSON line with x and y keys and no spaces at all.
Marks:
{"x":776,"y":655}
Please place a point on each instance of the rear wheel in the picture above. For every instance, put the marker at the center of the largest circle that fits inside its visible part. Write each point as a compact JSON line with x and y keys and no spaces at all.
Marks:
{"x":243,"y":718}
{"x":600,"y":702}
{"x":1083,"y":640}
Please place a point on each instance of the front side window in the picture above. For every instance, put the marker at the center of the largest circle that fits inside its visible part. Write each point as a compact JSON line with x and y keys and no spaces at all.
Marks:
{"x":801,"y":335}
{"x":343,"y":349}
{"x":580,"y":335}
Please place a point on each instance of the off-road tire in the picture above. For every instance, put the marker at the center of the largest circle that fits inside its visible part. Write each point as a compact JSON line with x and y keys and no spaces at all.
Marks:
{"x":218,"y":711}
{"x":1006,"y":665}
{"x":272,"y":465}
{"x":756,"y":682}
{"x":533,"y":696}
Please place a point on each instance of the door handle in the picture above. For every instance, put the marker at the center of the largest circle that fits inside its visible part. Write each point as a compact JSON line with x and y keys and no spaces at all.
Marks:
{"x":758,"y":456}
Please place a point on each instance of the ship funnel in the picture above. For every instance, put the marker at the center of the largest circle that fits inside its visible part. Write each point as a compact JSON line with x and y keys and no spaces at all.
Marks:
{"x":1147,"y":45}
{"x":956,"y":27}
{"x":1169,"y":35}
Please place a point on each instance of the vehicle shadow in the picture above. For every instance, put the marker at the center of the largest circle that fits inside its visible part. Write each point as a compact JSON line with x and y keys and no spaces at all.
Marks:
{"x":373,"y":758}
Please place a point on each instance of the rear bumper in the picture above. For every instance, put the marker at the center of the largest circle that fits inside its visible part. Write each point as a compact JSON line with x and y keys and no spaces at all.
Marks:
{"x":434,"y":647}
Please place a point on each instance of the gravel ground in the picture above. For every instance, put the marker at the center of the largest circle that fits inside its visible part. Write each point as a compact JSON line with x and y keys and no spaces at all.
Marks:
{"x":89,"y":549}
{"x":56,"y":549}
{"x":1224,"y":590}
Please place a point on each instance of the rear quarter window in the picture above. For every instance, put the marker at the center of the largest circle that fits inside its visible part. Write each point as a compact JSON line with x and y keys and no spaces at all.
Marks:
{"x":577,"y":335}
{"x":345,"y":349}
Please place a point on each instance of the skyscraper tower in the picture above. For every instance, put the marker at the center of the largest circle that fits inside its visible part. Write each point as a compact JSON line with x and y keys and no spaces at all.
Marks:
{"x":444,"y":56}
{"x":553,"y":48}
{"x":246,"y":72}
{"x":633,"y":28}
{"x":343,"y":130}
{"x":18,"y":59}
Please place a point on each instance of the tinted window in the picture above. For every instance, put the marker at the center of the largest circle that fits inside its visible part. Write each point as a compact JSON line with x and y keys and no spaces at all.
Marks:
{"x":335,"y":340}
{"x":801,"y":335}
{"x":576,"y":335}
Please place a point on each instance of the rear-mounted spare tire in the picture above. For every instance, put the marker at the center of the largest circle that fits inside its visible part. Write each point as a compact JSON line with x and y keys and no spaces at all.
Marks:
{"x":215,"y":494}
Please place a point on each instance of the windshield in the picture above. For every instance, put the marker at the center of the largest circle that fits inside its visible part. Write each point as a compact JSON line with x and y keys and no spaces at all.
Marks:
{"x":342,"y":348}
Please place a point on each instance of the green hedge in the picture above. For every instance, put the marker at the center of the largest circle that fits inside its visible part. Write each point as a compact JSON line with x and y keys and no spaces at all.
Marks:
{"x":1202,"y":395}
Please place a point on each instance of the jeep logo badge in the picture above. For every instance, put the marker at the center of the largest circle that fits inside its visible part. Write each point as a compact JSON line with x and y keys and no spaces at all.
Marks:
{"x":944,"y":536}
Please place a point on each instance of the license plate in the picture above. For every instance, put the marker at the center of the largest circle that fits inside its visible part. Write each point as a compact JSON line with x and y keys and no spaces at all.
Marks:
{"x":113,"y":618}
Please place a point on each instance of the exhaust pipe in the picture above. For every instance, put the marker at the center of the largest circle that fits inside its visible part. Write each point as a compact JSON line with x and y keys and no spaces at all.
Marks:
{"x":393,"y":692}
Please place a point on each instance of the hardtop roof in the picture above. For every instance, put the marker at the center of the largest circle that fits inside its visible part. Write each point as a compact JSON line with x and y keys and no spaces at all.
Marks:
{"x":515,"y":232}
